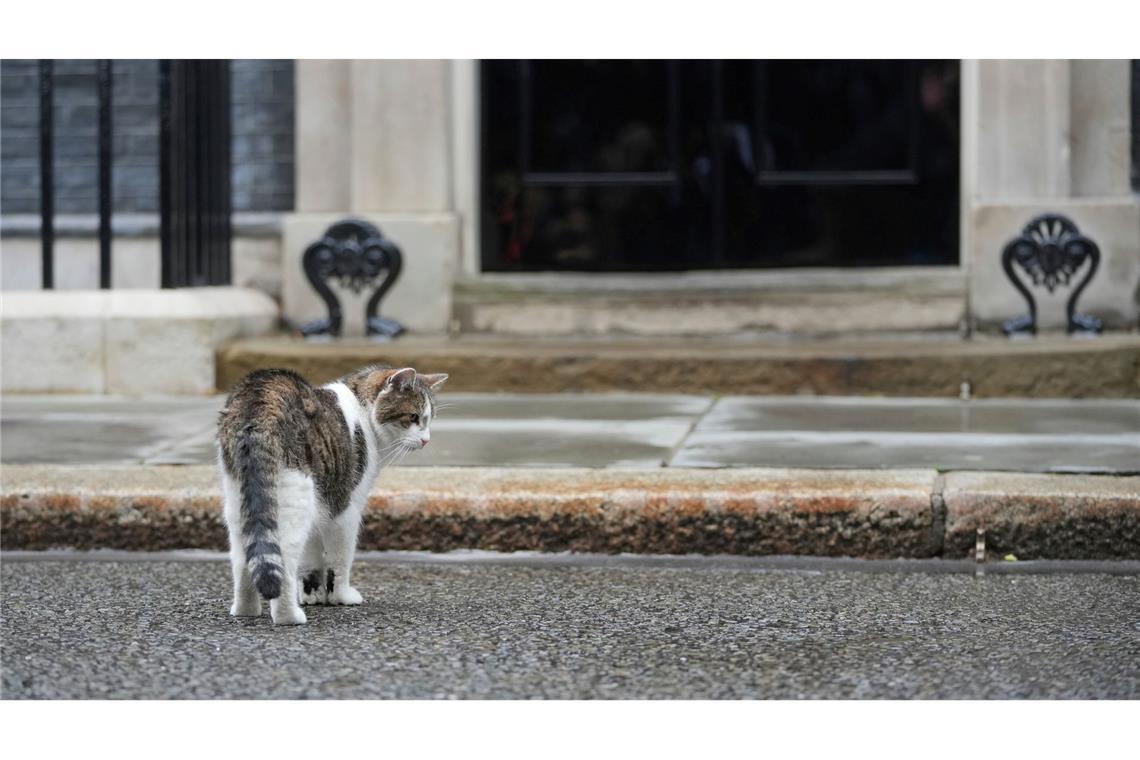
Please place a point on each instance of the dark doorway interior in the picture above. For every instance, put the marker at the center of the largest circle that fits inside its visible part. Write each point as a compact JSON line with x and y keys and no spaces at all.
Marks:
{"x":672,"y":165}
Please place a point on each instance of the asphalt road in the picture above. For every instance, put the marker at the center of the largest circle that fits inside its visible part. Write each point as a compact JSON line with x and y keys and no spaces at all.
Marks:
{"x":580,"y":628}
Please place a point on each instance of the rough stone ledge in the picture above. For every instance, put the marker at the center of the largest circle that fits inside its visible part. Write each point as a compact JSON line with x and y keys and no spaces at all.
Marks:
{"x":747,"y":511}
{"x":868,"y":513}
{"x":1038,"y":515}
{"x":1046,"y":367}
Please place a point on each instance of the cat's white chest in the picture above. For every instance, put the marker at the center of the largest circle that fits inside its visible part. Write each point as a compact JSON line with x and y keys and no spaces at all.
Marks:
{"x":359,"y":497}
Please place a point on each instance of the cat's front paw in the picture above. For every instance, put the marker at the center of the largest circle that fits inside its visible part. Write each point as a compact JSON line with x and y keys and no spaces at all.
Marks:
{"x":246,"y":608}
{"x":285,"y":615}
{"x":346,"y":595}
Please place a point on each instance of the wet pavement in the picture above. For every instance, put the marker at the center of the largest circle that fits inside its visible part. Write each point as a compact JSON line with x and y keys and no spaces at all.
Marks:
{"x":999,"y":434}
{"x":565,"y":626}
{"x":634,"y":431}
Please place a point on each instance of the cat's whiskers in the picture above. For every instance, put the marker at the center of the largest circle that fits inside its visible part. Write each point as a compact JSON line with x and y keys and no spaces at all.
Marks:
{"x":407,"y":449}
{"x":390,"y":447}
{"x":399,"y":449}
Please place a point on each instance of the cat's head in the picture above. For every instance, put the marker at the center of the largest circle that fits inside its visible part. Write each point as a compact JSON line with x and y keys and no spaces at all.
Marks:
{"x":404,"y":405}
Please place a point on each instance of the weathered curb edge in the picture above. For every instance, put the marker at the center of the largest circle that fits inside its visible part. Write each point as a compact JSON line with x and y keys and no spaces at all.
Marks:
{"x":890,"y":513}
{"x":1035,"y":515}
{"x":874,"y":514}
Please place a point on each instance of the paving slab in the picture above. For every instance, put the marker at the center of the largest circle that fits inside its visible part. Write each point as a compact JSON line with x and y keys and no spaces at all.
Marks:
{"x":596,"y":430}
{"x":890,"y":415}
{"x":618,"y":629}
{"x":635,"y":431}
{"x":103,"y":429}
{"x":568,"y":430}
{"x":1014,"y":435}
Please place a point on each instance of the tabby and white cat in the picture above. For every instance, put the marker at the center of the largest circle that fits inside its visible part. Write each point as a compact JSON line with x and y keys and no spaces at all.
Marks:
{"x":297,"y":463}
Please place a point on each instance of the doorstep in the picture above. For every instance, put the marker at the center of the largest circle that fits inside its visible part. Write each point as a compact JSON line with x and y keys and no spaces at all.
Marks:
{"x":1052,"y":366}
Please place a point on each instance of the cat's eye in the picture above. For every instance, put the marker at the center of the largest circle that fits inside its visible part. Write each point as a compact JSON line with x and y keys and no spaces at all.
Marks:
{"x":415,"y":419}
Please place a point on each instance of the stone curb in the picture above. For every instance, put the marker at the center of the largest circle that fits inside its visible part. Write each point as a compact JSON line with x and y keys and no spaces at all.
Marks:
{"x":1037,"y":515}
{"x":858,"y":513}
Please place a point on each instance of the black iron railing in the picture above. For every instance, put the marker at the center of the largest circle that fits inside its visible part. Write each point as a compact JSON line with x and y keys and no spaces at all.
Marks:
{"x":194,"y":169}
{"x":47,"y":186}
{"x":194,"y":140}
{"x":104,"y":79}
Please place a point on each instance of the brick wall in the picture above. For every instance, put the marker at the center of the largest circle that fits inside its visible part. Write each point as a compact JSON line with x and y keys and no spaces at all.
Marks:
{"x":262,"y":136}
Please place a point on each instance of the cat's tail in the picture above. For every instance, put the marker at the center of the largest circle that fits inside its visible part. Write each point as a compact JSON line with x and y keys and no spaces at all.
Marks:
{"x":257,"y":471}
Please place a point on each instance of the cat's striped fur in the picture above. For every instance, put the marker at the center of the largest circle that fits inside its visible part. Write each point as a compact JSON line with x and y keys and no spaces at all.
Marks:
{"x":297,"y":462}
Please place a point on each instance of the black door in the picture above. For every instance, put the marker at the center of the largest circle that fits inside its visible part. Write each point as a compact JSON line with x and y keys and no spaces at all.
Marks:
{"x":662,"y":165}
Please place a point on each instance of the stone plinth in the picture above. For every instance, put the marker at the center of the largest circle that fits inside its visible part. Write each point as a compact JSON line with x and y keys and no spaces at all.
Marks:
{"x":1112,"y":223}
{"x":130,"y":342}
{"x":420,"y":299}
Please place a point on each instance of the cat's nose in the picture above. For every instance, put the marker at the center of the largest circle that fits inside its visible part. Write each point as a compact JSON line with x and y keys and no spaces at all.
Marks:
{"x":425,"y":440}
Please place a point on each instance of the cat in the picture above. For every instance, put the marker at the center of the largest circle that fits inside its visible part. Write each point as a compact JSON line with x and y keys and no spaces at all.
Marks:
{"x":297,"y":463}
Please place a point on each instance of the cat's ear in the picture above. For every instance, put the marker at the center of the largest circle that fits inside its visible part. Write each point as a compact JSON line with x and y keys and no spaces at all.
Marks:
{"x":400,"y":380}
{"x":434,"y":381}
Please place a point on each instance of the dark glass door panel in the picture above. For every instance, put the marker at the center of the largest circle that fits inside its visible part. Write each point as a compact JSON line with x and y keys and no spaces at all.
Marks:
{"x":609,"y":117}
{"x":657,"y":165}
{"x":828,"y":116}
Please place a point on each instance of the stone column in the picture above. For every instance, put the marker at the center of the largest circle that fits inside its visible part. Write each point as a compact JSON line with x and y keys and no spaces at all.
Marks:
{"x":1101,"y":128}
{"x":1048,"y":136}
{"x":1023,"y":129}
{"x":400,"y":128}
{"x":324,"y":133}
{"x":374,"y":142}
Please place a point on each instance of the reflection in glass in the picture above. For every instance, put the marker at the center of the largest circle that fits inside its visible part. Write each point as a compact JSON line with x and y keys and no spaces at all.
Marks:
{"x":657,"y":165}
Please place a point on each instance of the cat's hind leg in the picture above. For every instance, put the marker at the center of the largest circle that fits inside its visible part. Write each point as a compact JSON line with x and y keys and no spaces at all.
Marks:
{"x":247,"y":602}
{"x":312,"y":573}
{"x":296,"y":507}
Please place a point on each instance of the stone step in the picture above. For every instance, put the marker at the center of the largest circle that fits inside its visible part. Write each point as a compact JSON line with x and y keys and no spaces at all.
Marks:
{"x":752,"y":511}
{"x":1045,"y":367}
{"x":819,"y":302}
